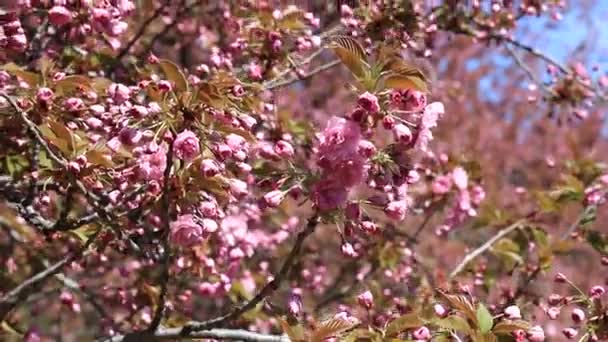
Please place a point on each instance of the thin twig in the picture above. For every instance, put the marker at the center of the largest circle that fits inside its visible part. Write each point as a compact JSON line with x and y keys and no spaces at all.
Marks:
{"x":527,"y":70}
{"x":12,"y":298}
{"x":306,"y":76}
{"x":481,"y":249}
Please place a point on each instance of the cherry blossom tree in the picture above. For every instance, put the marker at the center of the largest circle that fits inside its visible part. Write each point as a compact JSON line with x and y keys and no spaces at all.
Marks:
{"x":317,"y":171}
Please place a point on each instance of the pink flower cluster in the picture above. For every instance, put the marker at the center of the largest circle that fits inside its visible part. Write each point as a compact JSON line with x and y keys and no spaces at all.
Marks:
{"x":12,"y":36}
{"x":342,"y":164}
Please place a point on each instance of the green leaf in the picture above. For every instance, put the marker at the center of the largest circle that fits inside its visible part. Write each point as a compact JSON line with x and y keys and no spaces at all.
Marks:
{"x":407,"y":321}
{"x":545,"y":202}
{"x":454,"y":322}
{"x":174,"y":74}
{"x":484,"y":319}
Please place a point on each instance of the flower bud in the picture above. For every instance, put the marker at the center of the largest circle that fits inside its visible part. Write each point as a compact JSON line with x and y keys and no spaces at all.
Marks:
{"x":366,"y":300}
{"x":552,"y":312}
{"x":570,"y":333}
{"x":422,"y":333}
{"x":513,"y":312}
{"x":536,"y":334}
{"x":578,"y":315}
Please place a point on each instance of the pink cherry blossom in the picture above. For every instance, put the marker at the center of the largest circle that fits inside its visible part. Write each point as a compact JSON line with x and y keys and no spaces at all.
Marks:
{"x":59,"y":15}
{"x":186,"y":145}
{"x":185,"y":232}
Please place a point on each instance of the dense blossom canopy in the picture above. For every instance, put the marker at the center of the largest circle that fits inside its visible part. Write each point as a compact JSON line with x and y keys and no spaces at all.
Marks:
{"x":255,"y":171}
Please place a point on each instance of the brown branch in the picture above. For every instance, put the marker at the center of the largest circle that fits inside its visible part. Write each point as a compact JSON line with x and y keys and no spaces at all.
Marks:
{"x":165,"y":210}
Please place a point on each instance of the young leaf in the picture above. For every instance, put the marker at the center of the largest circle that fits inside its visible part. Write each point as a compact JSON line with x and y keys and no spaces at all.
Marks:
{"x":507,"y":327}
{"x":295,"y":332}
{"x":351,"y":53}
{"x":461,"y":304}
{"x":484,"y":319}
{"x":97,"y":157}
{"x":63,"y":133}
{"x":407,"y":321}
{"x":454,"y":322}
{"x":30,"y":78}
{"x":174,"y":74}
{"x":330,"y":328}
{"x":71,"y":83}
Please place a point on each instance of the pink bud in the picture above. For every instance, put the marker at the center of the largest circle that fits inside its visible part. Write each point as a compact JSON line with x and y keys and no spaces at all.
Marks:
{"x":284,"y":149}
{"x":440,"y":310}
{"x":519,"y":335}
{"x":369,"y":102}
{"x":596,"y":292}
{"x":388,"y":122}
{"x":396,"y":210}
{"x":366,"y":300}
{"x":366,"y":148}
{"x":441,"y":185}
{"x":209,"y":167}
{"x":369,"y":227}
{"x":274,"y":198}
{"x":560,"y":278}
{"x":555,"y":299}
{"x":570,"y":333}
{"x":460,"y":177}
{"x":422,"y":333}
{"x":553,"y":312}
{"x":402,"y":134}
{"x":513,"y":312}
{"x":348,"y":250}
{"x":119,"y":93}
{"x":164,"y":86}
{"x":536,"y":334}
{"x":294,"y":304}
{"x":578,"y":315}
{"x":59,"y":15}
{"x":44,"y":95}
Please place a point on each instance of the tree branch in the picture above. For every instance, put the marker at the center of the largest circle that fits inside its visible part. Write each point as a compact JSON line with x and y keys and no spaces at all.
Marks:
{"x":218,"y":334}
{"x":306,"y":76}
{"x":481,"y":249}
